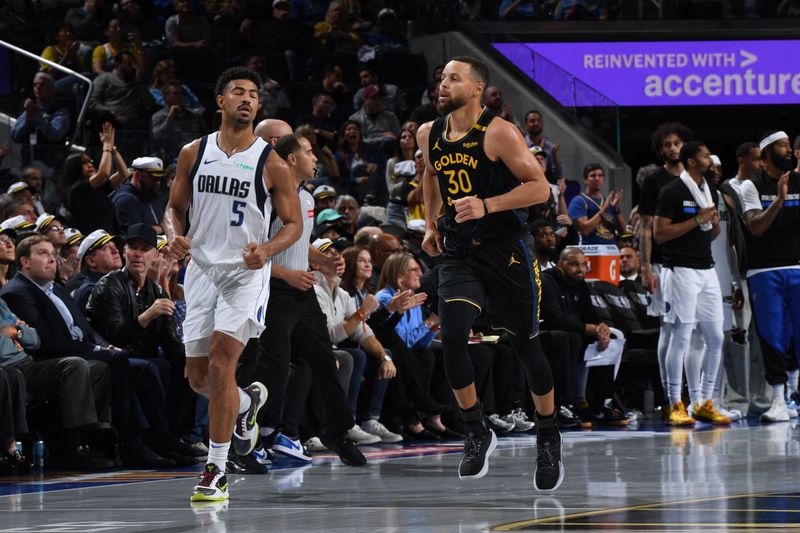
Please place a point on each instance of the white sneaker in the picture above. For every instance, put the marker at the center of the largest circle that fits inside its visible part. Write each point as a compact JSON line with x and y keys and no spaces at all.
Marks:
{"x":791,"y":406}
{"x":373,"y":427}
{"x":733,"y":414}
{"x":521,"y":421}
{"x":314,"y":445}
{"x":500,"y":424}
{"x":777,"y":411}
{"x":290,"y":448}
{"x":359,"y":436}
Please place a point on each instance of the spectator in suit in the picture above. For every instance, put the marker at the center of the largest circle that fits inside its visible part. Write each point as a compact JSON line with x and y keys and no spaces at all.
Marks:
{"x":630,"y":267}
{"x":138,"y":401}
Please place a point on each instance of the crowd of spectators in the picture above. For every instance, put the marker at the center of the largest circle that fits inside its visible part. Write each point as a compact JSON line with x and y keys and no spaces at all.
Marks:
{"x":77,"y":324}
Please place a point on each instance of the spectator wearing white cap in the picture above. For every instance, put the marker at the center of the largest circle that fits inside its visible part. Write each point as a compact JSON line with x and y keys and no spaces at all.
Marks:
{"x":97,"y":256}
{"x":324,"y":198}
{"x":137,"y":201}
{"x":20,"y":191}
{"x":69,"y":254}
{"x":52,"y":227}
{"x":19,"y":223}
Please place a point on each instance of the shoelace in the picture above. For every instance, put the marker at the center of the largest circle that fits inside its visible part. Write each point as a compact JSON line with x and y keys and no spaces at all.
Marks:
{"x":471,"y":449}
{"x":207,"y":476}
{"x":546,"y":458}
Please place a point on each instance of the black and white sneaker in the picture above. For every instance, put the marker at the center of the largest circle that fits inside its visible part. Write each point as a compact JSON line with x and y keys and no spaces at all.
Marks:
{"x":549,"y":472}
{"x":245,"y":433}
{"x":479,"y":443}
{"x":212,"y":487}
{"x":477,"y":449}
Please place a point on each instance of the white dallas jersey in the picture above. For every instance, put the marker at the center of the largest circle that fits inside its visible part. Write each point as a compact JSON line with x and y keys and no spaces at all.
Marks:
{"x":230,"y":204}
{"x":720,"y":249}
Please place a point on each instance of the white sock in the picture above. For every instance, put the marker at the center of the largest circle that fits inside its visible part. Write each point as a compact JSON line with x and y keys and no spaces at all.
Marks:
{"x":265,"y":431}
{"x":777,"y":391}
{"x":244,"y":401}
{"x":712,"y":359}
{"x":791,"y":385}
{"x":218,"y":453}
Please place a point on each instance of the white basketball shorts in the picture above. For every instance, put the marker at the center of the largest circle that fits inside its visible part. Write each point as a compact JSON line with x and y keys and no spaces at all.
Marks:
{"x":229,"y":300}
{"x":691,"y":295}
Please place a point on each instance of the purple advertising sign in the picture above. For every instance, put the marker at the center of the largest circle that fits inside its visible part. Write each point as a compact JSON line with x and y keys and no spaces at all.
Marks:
{"x":662,"y":73}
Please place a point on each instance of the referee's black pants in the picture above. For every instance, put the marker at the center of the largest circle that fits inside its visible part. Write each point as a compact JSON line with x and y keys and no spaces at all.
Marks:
{"x":296,"y":332}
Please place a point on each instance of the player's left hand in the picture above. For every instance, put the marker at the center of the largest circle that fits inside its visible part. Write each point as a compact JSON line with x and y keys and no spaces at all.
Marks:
{"x":469,"y":208}
{"x":254,"y":256}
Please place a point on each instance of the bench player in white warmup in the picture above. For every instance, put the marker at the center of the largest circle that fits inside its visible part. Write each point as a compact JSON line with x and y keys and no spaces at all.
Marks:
{"x":227,"y":182}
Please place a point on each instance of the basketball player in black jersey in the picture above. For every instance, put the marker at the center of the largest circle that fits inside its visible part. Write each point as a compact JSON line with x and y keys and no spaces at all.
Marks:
{"x":479,"y":170}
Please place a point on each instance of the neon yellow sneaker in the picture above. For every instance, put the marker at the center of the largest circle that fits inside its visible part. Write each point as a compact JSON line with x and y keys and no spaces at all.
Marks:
{"x":678,"y":415}
{"x":708,"y":413}
{"x":213,"y":485}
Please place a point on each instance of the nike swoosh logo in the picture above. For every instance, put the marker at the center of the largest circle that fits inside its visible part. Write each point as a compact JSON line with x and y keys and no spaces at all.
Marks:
{"x":260,"y":454}
{"x":207,"y":162}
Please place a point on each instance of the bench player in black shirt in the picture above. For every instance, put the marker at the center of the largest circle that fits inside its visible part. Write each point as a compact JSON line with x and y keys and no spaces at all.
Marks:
{"x":667,"y":141}
{"x":480,"y":172}
{"x":686,"y":221}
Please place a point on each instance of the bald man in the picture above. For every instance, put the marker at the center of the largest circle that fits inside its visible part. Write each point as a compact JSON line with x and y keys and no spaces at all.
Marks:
{"x":272,"y":129}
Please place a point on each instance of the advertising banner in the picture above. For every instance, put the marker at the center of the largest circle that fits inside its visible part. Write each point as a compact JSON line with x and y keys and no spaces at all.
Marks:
{"x":663,"y":73}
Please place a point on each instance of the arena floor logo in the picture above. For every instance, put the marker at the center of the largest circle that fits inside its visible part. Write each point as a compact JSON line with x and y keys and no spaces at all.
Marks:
{"x":663,"y":73}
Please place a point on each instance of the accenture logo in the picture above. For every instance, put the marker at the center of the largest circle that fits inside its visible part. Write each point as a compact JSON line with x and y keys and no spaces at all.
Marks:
{"x":664,"y":73}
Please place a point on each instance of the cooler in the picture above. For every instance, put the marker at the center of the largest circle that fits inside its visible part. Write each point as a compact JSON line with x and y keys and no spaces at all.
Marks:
{"x":602,"y":262}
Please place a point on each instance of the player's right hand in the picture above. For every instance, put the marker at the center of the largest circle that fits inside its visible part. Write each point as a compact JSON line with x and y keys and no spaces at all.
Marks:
{"x":180,"y":247}
{"x":707,"y":214}
{"x":432,"y":243}
{"x":649,"y":280}
{"x":300,"y":280}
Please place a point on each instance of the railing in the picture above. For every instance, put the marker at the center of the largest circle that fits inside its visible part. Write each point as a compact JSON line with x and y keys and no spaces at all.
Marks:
{"x":61,"y":68}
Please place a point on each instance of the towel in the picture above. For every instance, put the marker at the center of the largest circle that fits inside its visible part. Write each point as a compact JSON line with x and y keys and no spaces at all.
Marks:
{"x":702,"y":197}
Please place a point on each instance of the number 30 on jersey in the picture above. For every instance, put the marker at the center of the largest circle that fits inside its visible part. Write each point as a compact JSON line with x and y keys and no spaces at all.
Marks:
{"x":458,"y":183}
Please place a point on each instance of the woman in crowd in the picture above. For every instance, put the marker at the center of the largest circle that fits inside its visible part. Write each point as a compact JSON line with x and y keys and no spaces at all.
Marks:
{"x":84,"y":189}
{"x":411,"y":340}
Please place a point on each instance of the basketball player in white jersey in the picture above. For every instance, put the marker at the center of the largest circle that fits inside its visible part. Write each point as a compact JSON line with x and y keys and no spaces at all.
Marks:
{"x":224,"y":183}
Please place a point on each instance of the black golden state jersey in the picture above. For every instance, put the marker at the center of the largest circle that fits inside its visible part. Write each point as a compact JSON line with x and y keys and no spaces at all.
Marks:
{"x":464,"y":170}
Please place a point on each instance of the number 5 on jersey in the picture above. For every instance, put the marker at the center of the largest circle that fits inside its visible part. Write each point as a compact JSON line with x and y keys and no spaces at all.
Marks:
{"x":238,"y":213}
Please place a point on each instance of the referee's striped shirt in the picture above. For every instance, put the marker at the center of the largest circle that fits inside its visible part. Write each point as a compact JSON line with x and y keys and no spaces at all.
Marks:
{"x":295,"y":257}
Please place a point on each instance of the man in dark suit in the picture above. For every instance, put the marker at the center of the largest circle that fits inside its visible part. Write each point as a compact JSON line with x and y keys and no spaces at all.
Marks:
{"x":65,"y":332}
{"x":630,"y":268}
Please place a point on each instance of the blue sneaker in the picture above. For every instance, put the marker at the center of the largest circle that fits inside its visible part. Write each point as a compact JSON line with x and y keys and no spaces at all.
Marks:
{"x":290,"y":448}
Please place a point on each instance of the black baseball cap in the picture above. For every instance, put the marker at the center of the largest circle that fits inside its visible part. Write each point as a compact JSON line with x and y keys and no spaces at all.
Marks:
{"x":142,"y":232}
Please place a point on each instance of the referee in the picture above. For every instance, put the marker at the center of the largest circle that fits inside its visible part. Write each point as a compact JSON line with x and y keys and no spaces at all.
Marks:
{"x":296,"y":331}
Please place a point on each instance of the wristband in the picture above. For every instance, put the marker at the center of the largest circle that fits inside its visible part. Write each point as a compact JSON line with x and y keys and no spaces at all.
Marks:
{"x":363,"y":319}
{"x":485,"y":207}
{"x":698,"y":220}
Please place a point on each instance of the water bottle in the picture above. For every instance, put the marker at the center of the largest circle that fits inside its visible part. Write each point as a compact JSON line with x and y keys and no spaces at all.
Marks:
{"x":38,"y":454}
{"x":648,"y":398}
